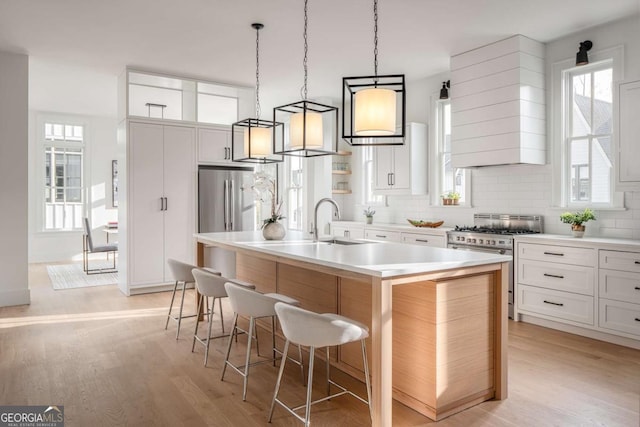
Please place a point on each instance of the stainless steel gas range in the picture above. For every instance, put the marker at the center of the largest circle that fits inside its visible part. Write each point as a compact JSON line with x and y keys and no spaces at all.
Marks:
{"x":494,"y":233}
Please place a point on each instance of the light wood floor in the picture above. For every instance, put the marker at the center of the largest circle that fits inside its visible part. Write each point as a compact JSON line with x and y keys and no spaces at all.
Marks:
{"x":109,"y":361}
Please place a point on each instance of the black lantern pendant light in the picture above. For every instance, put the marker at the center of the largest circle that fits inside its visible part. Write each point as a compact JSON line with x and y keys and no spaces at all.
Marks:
{"x":581,"y":57}
{"x":444,"y":92}
{"x":258,"y":135}
{"x":311,"y":129}
{"x":374,"y":107}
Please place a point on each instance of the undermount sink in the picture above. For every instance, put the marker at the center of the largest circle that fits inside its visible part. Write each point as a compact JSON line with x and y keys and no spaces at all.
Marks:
{"x":335,"y":241}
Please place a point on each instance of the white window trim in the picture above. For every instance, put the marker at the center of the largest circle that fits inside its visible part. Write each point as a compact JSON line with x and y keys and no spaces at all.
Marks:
{"x":435,"y":152}
{"x":558,"y":151}
{"x":40,"y":144}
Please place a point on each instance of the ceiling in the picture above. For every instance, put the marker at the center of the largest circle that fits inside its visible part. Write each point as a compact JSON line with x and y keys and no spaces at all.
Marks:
{"x":213,"y":39}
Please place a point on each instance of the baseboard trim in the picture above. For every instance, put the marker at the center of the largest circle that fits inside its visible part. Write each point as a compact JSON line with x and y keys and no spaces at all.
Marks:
{"x":15,"y":297}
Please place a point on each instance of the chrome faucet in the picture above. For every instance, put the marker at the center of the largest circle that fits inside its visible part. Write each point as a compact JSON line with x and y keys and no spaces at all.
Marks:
{"x":315,"y":215}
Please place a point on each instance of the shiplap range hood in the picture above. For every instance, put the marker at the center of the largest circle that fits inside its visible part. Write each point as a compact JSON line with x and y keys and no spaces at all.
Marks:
{"x":498,"y":104}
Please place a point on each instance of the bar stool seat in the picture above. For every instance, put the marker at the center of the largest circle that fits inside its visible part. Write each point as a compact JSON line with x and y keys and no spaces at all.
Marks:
{"x":210,"y":284}
{"x":182,"y":273}
{"x":252,"y":304}
{"x":304,"y":327}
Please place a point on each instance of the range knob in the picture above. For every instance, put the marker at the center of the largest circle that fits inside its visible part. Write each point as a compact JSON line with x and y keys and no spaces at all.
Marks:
{"x":472,"y":240}
{"x":480,"y":241}
{"x":493,"y":242}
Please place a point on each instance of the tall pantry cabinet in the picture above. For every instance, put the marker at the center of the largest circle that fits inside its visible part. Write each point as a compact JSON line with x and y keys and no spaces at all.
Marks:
{"x":157,"y":202}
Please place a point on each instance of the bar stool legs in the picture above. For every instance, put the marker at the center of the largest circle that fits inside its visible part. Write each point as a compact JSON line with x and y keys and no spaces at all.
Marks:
{"x":179,"y":317}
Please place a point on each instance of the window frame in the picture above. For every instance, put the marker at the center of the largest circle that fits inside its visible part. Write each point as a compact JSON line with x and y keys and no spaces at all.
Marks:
{"x":289,"y":187}
{"x":561,"y":72}
{"x":59,"y":146}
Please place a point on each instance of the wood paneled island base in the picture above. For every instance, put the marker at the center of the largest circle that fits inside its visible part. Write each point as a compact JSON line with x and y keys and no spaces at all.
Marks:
{"x":445,"y":349}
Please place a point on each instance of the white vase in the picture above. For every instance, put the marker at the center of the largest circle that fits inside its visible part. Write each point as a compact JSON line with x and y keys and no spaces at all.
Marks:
{"x":369,"y":220}
{"x":273,"y":231}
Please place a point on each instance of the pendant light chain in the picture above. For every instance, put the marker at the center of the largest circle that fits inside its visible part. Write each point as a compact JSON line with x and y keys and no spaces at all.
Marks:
{"x":306,"y":49}
{"x":375,"y":38}
{"x":258,"y":73}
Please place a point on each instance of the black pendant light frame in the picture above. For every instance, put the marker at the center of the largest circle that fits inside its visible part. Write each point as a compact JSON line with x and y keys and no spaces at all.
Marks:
{"x":351,"y":85}
{"x":248,"y":124}
{"x":328,"y":112}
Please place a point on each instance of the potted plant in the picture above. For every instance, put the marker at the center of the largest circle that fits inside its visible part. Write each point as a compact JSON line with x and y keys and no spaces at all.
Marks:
{"x":450,"y":198}
{"x":577,"y":220}
{"x":264,"y":187}
{"x":369,"y":213}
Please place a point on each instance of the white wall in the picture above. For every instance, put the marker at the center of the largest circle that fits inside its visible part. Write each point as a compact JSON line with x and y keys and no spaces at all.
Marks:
{"x":59,"y":91}
{"x":14,"y":74}
{"x":525,"y":189}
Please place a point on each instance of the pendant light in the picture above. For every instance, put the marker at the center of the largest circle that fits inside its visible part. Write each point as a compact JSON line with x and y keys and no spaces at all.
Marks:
{"x":311,"y":129}
{"x":257,"y":135}
{"x":374,"y":107}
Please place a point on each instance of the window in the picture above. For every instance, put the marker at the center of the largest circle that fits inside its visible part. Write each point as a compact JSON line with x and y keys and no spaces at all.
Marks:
{"x":63,"y":149}
{"x":450,"y":179}
{"x":587,"y":134}
{"x":295,"y":192}
{"x":368,"y":168}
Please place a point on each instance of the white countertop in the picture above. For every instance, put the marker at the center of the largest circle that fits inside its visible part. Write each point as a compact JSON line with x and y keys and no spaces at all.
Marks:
{"x":381,"y":259}
{"x":442,"y":230}
{"x":584,"y":242}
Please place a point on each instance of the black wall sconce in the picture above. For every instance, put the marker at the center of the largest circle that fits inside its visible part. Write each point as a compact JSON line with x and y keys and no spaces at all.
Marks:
{"x":581,"y":56}
{"x":444,"y":92}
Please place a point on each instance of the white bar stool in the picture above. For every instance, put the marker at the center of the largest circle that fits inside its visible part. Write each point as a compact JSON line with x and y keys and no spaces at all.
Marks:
{"x":211,"y":285}
{"x":246,"y":302}
{"x":304,"y":327}
{"x":181,"y":272}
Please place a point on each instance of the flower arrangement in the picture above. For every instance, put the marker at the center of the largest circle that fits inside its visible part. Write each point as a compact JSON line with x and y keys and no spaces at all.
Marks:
{"x":369,"y":213}
{"x":264,"y":188}
{"x":577,"y":218}
{"x":450,"y":198}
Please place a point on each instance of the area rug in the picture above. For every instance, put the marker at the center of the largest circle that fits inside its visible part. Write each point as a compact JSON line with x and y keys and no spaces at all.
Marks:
{"x":70,"y":276}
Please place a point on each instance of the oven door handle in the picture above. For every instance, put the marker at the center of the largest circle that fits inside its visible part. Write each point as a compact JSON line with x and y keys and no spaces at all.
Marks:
{"x":491,"y":251}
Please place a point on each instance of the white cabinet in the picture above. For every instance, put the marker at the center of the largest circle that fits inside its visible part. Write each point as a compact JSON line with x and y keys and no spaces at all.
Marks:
{"x":627,"y":136}
{"x":556,"y":282}
{"x":214,"y":145}
{"x":426,"y":239}
{"x":160,"y":205}
{"x":402,"y":169}
{"x":619,"y":288}
{"x":382,"y":235}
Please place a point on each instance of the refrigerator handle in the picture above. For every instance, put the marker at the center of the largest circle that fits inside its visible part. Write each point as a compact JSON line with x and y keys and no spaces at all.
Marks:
{"x":232,"y":205}
{"x":226,"y":204}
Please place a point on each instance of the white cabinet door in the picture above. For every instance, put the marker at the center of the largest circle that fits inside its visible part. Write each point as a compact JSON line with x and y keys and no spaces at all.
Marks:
{"x":401,"y":178}
{"x":179,"y":193}
{"x":425,"y":239}
{"x":383,"y":167}
{"x":214,"y":145}
{"x":627,"y":136}
{"x":146,"y":217}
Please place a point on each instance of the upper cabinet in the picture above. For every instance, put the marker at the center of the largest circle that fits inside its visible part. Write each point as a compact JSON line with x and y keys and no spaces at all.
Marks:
{"x":214,"y":145}
{"x":402,"y":169}
{"x":627,"y":135}
{"x":498,"y":104}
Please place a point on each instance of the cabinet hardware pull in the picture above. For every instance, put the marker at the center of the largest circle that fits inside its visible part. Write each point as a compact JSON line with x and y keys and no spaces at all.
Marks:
{"x":389,"y":179}
{"x":637,"y":288}
{"x":422,"y":240}
{"x":637,"y":262}
{"x":553,"y":253}
{"x":393,"y":178}
{"x":380,"y":235}
{"x":553,"y":303}
{"x":166,"y":204}
{"x":637,"y":320}
{"x":161,"y":203}
{"x":557,"y":276}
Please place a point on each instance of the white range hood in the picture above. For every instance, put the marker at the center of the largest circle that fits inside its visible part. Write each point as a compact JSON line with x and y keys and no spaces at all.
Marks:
{"x":498,"y":104}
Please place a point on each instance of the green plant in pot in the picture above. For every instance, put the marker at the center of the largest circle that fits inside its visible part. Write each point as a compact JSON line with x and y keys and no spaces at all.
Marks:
{"x":369,"y":213}
{"x":451,"y":198}
{"x":577,"y":220}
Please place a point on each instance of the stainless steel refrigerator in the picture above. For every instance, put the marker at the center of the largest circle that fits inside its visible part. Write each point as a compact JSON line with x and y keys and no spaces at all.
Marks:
{"x":225,"y":201}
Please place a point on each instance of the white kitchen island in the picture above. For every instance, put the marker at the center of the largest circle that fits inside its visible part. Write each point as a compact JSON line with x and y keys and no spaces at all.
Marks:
{"x":438,"y":317}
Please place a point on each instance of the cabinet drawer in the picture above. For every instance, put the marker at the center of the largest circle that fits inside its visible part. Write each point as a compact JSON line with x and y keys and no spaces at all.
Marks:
{"x":556,"y":304}
{"x":619,"y":285}
{"x":620,"y":316}
{"x":560,"y":277}
{"x":625,"y":261}
{"x":560,"y":254}
{"x":382,"y":235}
{"x":424,"y":239}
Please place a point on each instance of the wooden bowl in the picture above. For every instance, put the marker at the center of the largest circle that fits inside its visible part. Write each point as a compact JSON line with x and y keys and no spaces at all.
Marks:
{"x":429,"y":224}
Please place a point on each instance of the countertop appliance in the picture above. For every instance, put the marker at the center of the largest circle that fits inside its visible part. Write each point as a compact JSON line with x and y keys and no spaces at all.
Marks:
{"x":494,"y":233}
{"x":224,"y":205}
